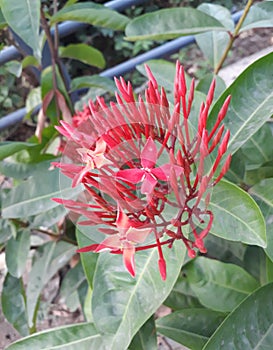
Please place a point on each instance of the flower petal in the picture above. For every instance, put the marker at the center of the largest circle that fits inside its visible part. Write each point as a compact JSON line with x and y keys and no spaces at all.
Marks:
{"x":128,"y":259}
{"x":148,"y":184}
{"x":110,"y":243}
{"x":149,"y":154}
{"x":122,"y":222}
{"x":100,"y":147}
{"x":137,"y":235}
{"x":131,"y":175}
{"x":88,"y":248}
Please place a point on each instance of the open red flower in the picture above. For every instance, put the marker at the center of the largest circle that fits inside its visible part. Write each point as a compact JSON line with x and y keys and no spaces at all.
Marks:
{"x":118,"y":149}
{"x":124,"y":239}
{"x":148,"y":174}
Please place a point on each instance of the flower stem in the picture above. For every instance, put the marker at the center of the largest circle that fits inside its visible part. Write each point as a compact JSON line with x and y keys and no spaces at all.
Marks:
{"x":233,"y":36}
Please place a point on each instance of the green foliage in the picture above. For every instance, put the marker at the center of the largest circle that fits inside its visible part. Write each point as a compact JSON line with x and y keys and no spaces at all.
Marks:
{"x":222,"y":300}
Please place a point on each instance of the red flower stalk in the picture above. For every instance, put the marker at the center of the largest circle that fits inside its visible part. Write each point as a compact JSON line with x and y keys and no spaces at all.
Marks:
{"x":141,"y":160}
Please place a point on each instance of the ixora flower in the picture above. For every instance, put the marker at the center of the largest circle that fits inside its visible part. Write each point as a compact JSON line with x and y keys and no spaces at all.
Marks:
{"x":147,"y":172}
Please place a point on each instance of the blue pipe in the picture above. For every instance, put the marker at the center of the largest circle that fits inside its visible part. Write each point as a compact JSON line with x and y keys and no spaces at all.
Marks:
{"x":162,"y":50}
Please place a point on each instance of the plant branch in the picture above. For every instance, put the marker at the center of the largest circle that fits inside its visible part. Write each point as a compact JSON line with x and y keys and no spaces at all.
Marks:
{"x":54,"y":235}
{"x":54,"y":54}
{"x":233,"y":36}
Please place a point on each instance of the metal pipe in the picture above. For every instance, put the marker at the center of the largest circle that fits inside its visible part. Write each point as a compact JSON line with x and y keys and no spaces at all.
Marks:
{"x":160,"y":51}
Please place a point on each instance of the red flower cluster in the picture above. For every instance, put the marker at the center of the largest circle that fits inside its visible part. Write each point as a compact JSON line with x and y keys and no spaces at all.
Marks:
{"x":147,"y":173}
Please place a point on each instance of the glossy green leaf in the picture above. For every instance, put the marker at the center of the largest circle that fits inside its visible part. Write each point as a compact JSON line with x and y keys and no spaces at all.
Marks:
{"x":163,"y":71}
{"x":96,"y":81}
{"x":50,"y":217}
{"x":91,"y":13}
{"x":224,"y":250}
{"x":89,"y":259}
{"x":249,"y":326}
{"x":237,"y":168}
{"x":255,"y":263}
{"x":3,"y":22}
{"x":72,"y":281}
{"x":7,"y":230}
{"x":84,"y":53}
{"x":8,"y":148}
{"x":22,"y":171}
{"x":204,"y":84}
{"x":259,"y":16}
{"x":17,"y":251}
{"x":30,"y":198}
{"x":13,"y":303}
{"x":80,"y":336}
{"x":170,"y":23}
{"x":214,"y":43}
{"x":126,"y":303}
{"x":258,"y":149}
{"x":145,"y":337}
{"x":14,"y":68}
{"x":254,"y":176}
{"x":190,"y":327}
{"x":219,"y":286}
{"x":251,"y":103}
{"x":182,"y":296}
{"x":263,"y":194}
{"x":49,"y":258}
{"x":24,"y":18}
{"x":237,"y":217}
{"x":34,"y":99}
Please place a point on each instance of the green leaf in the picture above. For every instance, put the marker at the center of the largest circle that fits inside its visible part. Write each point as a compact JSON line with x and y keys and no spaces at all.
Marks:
{"x":163,"y":71}
{"x":49,"y":258}
{"x":17,"y":251}
{"x":30,"y":198}
{"x":251,"y":103}
{"x":204,"y":84}
{"x":259,"y":16}
{"x":3,"y":22}
{"x":7,"y":148}
{"x":214,"y":43}
{"x":170,"y":23}
{"x":190,"y":327}
{"x":237,"y":217}
{"x":249,"y":326}
{"x":254,"y":176}
{"x":72,"y":281}
{"x":96,"y":81}
{"x":13,"y":303}
{"x":219,"y":286}
{"x":50,"y":217}
{"x":84,"y":53}
{"x":145,"y":337}
{"x":263,"y":194}
{"x":7,"y":230}
{"x":33,"y":99}
{"x":22,"y":171}
{"x":14,"y":68}
{"x":224,"y":250}
{"x":126,"y":303}
{"x":88,"y":259}
{"x":258,"y":149}
{"x":182,"y":296}
{"x":236,"y":171}
{"x":82,"y":336}
{"x":255,"y":263}
{"x":24,"y":18}
{"x":91,"y":13}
